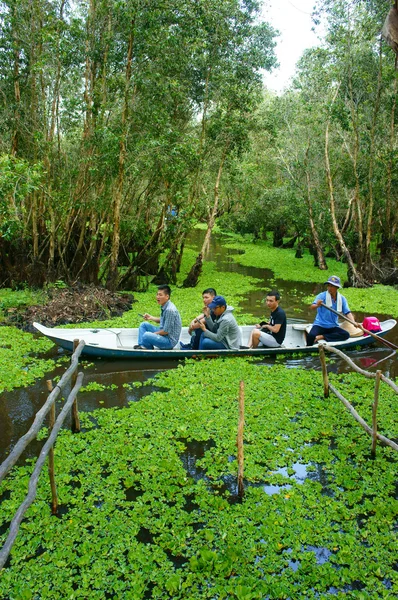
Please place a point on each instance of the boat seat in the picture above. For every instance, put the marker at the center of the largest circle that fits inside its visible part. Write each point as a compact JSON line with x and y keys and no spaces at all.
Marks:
{"x":302,"y":327}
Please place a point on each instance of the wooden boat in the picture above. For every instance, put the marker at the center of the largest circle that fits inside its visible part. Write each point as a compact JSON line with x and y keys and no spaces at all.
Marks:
{"x":119,"y":343}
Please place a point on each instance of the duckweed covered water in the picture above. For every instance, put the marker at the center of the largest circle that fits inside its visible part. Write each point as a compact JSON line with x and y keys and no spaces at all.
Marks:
{"x":138,"y":523}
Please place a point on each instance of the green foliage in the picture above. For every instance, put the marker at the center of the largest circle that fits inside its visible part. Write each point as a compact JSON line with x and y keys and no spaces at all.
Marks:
{"x":380,"y":299}
{"x":97,"y":387}
{"x":281,"y":261}
{"x":144,"y":516}
{"x":10,"y":299}
{"x":19,"y":365}
{"x":17,"y":179}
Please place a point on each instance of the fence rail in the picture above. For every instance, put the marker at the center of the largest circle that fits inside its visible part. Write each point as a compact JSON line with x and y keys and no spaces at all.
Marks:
{"x":21,"y":445}
{"x":378,"y":376}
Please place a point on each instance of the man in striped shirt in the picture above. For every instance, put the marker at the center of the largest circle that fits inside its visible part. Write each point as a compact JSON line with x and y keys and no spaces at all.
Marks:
{"x":167,"y":334}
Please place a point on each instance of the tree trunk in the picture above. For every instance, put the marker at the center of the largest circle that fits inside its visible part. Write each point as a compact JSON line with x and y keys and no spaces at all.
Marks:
{"x":320,"y":257}
{"x":213,"y":213}
{"x":388,"y":230}
{"x":113,"y":276}
{"x":355,"y":279}
{"x":367,"y":265}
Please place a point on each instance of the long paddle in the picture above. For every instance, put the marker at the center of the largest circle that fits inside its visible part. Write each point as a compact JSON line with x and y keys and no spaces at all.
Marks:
{"x":376,"y":337}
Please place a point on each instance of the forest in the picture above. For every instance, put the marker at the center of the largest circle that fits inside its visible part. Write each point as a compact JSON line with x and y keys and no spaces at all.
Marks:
{"x":123,"y":124}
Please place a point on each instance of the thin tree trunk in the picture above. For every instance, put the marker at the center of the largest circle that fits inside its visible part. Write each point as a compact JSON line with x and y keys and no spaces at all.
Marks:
{"x":112,"y":281}
{"x":315,"y":237}
{"x":213,"y":213}
{"x":355,"y":278}
{"x":367,"y":261}
{"x":17,"y":90}
{"x":389,"y":222}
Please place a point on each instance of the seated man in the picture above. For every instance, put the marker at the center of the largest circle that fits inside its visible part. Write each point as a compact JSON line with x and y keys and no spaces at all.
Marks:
{"x":167,"y":334}
{"x":222,"y":332}
{"x":271,"y":334}
{"x":326,"y":325}
{"x":194,"y":327}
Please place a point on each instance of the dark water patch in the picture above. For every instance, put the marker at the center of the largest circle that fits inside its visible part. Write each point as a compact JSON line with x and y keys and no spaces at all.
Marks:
{"x":227,"y":487}
{"x":354,"y":586}
{"x":62,"y":510}
{"x":4,"y":527}
{"x":5,"y":495}
{"x":104,"y":471}
{"x":145,"y":536}
{"x":132,"y":493}
{"x":149,"y":590}
{"x":194,"y":451}
{"x":178,"y":561}
{"x":190,"y":505}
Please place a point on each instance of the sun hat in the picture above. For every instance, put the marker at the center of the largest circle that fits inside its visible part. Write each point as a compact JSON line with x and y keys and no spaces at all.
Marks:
{"x":217,"y":301}
{"x":334,"y":280}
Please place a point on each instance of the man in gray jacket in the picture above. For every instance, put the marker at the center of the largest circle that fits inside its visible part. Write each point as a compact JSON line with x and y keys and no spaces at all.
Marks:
{"x":223,"y":332}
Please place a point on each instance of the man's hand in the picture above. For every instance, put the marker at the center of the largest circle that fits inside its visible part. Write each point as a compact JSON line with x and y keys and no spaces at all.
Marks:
{"x":202,"y":325}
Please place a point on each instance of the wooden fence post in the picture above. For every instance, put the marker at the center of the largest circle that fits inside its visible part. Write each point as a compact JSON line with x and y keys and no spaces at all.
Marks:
{"x":324,"y":371}
{"x":51,"y":474}
{"x":239,"y":442}
{"x":75,"y":412}
{"x":374,"y":413}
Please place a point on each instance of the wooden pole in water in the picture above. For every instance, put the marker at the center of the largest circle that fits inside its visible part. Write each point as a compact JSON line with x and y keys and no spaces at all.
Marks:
{"x":374,"y":413}
{"x":51,"y":474}
{"x":239,"y":441}
{"x":324,"y":371}
{"x":75,"y":413}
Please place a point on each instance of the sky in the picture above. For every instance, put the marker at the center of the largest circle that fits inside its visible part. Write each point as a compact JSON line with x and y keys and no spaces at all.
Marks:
{"x":293,"y":20}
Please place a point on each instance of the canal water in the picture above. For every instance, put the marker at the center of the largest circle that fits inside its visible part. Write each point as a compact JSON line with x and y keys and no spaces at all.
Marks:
{"x":18,"y":408}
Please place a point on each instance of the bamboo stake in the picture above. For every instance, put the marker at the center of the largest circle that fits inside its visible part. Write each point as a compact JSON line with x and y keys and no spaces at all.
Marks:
{"x":241,"y":489}
{"x":75,"y":412}
{"x":51,"y":474}
{"x":374,"y":413}
{"x":324,"y":371}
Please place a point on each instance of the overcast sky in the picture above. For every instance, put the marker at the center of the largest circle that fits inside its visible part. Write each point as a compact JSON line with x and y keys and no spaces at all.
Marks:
{"x":293,"y":20}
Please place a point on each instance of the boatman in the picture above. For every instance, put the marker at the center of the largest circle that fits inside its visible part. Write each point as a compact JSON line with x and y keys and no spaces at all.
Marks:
{"x":167,"y":334}
{"x":271,"y":334}
{"x":326,"y":325}
{"x":222,"y":332}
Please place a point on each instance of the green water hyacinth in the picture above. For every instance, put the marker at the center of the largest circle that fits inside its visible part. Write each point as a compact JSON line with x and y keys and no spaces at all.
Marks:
{"x":380,"y":299}
{"x":19,"y":364}
{"x":149,"y":506}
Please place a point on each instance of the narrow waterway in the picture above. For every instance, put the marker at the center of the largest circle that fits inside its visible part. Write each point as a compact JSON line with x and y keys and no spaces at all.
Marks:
{"x":17,"y":408}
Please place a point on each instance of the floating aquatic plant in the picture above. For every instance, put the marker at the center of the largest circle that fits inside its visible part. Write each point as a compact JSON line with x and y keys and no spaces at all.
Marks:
{"x":149,"y":505}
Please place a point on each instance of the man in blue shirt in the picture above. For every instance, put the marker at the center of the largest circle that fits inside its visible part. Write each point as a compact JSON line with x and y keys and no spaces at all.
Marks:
{"x":326,"y":325}
{"x":167,"y":334}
